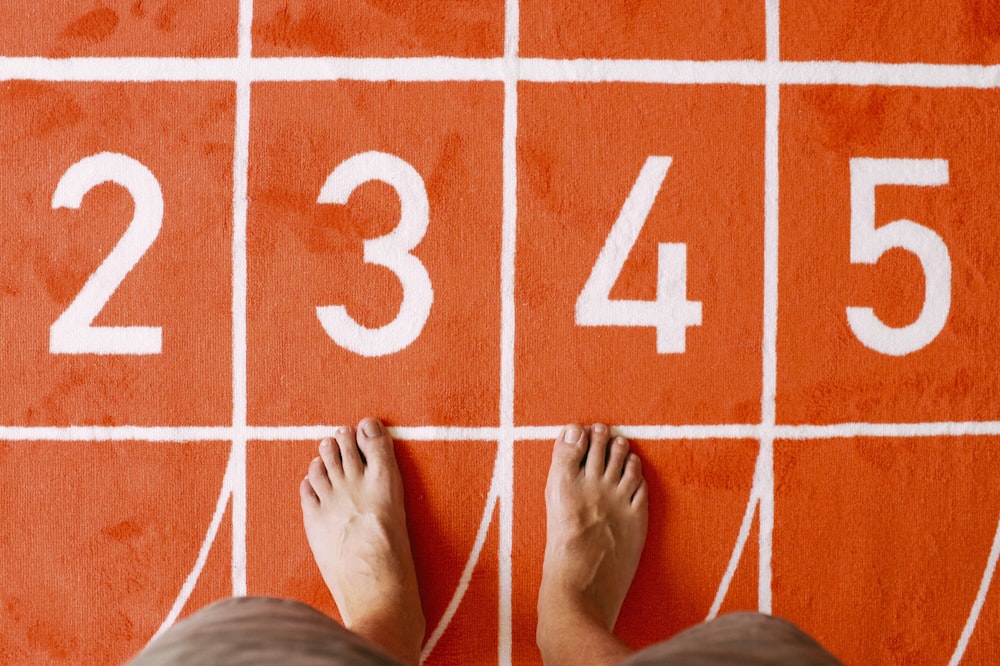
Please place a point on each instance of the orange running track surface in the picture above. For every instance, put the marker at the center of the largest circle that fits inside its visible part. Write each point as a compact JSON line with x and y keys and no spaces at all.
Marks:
{"x":760,"y":240}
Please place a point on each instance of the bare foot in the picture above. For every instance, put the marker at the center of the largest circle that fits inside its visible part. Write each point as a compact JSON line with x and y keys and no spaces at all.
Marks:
{"x":596,"y":504}
{"x":352,"y":506}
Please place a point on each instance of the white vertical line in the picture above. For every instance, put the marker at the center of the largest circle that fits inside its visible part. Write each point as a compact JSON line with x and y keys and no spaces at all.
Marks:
{"x":241,"y":162}
{"x":505,"y":449}
{"x":764,"y":472}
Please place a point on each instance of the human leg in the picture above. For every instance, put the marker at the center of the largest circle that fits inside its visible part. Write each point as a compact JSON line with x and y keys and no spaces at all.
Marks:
{"x":260,"y":630}
{"x":596,"y":519}
{"x":596,"y":504}
{"x":737,"y":639}
{"x":352,"y":507}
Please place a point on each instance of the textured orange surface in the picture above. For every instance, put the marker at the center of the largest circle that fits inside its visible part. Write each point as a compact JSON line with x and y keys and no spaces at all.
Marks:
{"x":70,"y":28}
{"x":379,"y":28}
{"x":450,"y":133}
{"x":581,"y":148}
{"x":888,"y":531}
{"x":881,"y":533}
{"x":183,"y":134}
{"x":687,"y":550}
{"x":934,"y":31}
{"x":685,"y":30}
{"x":443,"y":519}
{"x":824,"y":374}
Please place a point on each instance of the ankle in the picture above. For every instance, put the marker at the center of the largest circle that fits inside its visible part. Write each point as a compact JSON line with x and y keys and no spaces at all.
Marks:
{"x":571,"y":630}
{"x":401,"y":636}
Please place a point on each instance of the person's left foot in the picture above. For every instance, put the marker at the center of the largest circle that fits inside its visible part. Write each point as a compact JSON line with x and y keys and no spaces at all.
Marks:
{"x":352,"y":507}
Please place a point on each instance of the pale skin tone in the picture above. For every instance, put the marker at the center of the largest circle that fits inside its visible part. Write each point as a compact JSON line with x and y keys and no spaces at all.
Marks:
{"x":596,"y":519}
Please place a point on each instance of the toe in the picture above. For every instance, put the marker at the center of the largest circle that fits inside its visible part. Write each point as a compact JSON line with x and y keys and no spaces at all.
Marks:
{"x":350,"y":456}
{"x":376,"y":445}
{"x":307,"y":494}
{"x":569,"y":449}
{"x":330,"y":454}
{"x":632,"y":476}
{"x":640,"y":499}
{"x":318,"y":479}
{"x":598,"y":451}
{"x":616,"y":459}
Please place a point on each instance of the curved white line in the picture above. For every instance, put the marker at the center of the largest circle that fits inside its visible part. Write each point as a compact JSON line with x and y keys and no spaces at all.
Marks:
{"x":213,"y":528}
{"x":470,"y":565}
{"x":977,"y":606}
{"x":734,"y":559}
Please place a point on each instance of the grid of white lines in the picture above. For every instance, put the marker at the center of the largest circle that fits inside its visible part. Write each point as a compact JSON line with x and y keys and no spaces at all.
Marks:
{"x":771,"y":73}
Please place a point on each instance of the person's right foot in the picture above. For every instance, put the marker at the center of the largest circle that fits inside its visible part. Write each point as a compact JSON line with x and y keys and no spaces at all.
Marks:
{"x":352,"y":506}
{"x":596,"y":503}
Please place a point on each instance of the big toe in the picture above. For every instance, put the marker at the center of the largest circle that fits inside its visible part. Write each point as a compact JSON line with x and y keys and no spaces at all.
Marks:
{"x":376,"y":445}
{"x":569,"y":449}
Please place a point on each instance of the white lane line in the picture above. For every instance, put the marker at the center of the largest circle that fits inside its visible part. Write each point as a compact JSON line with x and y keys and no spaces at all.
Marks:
{"x":505,"y":449}
{"x":977,"y":605}
{"x":206,"y":546}
{"x":734,"y":72}
{"x":764,"y":470}
{"x":194,"y":434}
{"x":734,"y":560}
{"x":241,"y":171}
{"x":470,"y":564}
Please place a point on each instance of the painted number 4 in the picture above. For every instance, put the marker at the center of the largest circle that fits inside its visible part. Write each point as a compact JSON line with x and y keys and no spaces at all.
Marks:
{"x":671,"y":313}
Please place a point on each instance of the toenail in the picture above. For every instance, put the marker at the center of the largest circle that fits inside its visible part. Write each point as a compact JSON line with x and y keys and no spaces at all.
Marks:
{"x":572,"y":435}
{"x":325,"y":443}
{"x":600,"y":427}
{"x":372,"y":428}
{"x":342,"y":430}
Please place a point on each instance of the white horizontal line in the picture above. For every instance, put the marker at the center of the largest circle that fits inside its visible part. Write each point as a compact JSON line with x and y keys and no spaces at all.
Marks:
{"x":115,"y":433}
{"x":489,"y":434}
{"x":411,"y":433}
{"x":738,"y":72}
{"x":652,"y":432}
{"x":119,"y":69}
{"x":932,"y":429}
{"x":261,"y":69}
{"x":746,"y":72}
{"x":377,"y":69}
{"x":888,"y":74}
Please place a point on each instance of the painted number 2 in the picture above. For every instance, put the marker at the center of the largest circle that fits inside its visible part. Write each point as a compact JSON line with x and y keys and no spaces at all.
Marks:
{"x":392,"y":251}
{"x":671,"y":313}
{"x":868,"y":243}
{"x":73,"y":332}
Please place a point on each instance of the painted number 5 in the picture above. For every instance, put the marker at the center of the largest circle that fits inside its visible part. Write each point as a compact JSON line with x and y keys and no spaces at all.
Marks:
{"x":868,"y":243}
{"x":73,"y":332}
{"x":392,"y":251}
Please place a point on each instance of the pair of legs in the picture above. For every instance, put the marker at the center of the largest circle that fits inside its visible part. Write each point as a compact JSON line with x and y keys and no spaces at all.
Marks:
{"x":596,"y":503}
{"x":596,"y":511}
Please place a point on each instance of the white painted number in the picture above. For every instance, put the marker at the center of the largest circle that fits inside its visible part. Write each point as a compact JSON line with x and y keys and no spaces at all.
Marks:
{"x":392,"y":251}
{"x":73,"y":332}
{"x":671,"y":313}
{"x":869,"y":243}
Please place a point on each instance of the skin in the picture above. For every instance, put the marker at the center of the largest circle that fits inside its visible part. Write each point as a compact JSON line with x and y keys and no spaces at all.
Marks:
{"x":352,"y":507}
{"x":596,"y":503}
{"x":596,"y":519}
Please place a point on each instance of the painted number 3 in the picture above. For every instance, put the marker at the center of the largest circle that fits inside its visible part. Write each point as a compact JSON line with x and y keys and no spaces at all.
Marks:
{"x":391,"y":251}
